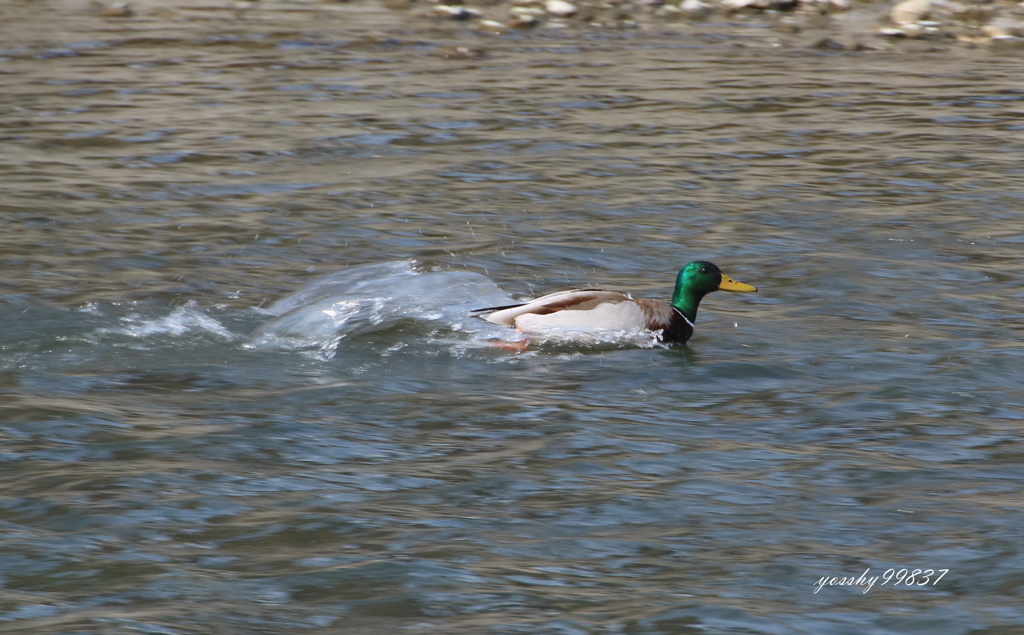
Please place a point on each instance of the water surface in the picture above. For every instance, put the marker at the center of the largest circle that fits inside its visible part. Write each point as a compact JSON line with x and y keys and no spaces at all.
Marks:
{"x":171,"y":463}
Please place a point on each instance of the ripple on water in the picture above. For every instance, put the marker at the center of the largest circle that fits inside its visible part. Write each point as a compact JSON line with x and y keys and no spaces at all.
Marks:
{"x":176,"y":461}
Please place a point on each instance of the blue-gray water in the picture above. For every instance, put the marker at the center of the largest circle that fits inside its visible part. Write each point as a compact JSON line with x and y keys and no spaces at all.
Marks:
{"x":176,"y":459}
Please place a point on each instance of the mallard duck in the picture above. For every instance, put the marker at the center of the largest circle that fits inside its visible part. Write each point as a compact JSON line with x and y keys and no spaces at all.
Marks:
{"x":597,"y":309}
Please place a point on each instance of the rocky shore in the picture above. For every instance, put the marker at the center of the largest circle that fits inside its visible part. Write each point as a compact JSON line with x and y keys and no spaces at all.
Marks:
{"x":973,"y":23}
{"x":824,"y":24}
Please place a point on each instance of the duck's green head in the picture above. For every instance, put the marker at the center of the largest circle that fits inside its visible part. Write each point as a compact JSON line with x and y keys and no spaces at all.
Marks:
{"x":698,"y":279}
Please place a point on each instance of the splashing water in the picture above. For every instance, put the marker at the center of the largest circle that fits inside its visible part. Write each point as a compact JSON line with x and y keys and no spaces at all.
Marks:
{"x":596,"y":337}
{"x":189,"y":318}
{"x":371,"y":298}
{"x":378,"y":297}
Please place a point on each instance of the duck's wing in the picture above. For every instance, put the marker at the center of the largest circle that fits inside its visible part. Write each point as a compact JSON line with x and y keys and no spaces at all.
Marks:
{"x":573,"y":300}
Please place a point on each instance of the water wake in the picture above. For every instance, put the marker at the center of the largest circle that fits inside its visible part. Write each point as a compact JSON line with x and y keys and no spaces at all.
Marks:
{"x":189,"y":319}
{"x":373,"y":298}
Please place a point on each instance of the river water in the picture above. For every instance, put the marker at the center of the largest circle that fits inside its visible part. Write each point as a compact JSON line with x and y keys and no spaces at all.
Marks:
{"x":194,"y":440}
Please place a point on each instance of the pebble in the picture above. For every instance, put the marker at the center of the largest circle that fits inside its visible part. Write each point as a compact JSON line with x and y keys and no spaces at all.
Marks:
{"x":695,"y":8}
{"x":910,"y":11}
{"x":828,"y":44}
{"x":493,"y":26}
{"x":461,"y":53}
{"x":762,"y":5}
{"x":523,"y":21}
{"x":527,"y":12}
{"x":1008,"y":42}
{"x":1003,"y":27}
{"x":560,"y":8}
{"x":828,"y":5}
{"x":115,"y":10}
{"x":455,"y":12}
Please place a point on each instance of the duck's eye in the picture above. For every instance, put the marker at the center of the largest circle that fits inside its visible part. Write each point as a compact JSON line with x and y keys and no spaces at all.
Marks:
{"x":704,"y":270}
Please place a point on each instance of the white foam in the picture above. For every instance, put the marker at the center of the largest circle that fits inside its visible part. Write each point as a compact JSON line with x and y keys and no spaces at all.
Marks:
{"x":372,"y":298}
{"x":595,"y":337}
{"x":184,"y":320}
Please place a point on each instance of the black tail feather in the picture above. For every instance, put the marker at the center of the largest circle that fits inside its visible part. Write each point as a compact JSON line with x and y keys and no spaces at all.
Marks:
{"x":496,"y":308}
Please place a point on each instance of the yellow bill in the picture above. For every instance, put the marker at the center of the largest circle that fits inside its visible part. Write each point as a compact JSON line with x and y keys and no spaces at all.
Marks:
{"x":728,"y":284}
